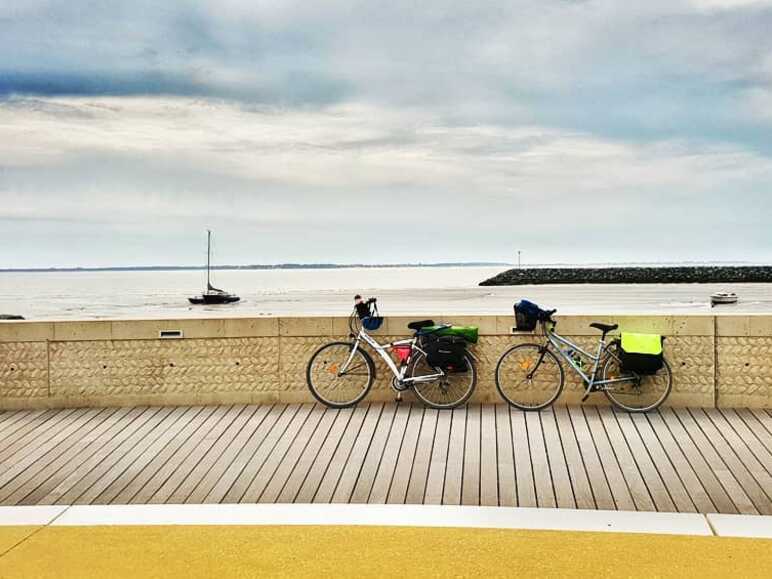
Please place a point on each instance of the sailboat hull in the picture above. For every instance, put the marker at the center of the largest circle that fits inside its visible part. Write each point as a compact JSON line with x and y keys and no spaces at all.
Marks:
{"x":213,"y":299}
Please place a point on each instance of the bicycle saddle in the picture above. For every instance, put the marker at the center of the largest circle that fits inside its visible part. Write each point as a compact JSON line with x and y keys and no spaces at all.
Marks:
{"x":605,"y":328}
{"x":420,"y":324}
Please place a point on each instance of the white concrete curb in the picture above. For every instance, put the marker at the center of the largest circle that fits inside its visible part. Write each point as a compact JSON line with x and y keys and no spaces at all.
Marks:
{"x":752,"y":526}
{"x":393,"y":515}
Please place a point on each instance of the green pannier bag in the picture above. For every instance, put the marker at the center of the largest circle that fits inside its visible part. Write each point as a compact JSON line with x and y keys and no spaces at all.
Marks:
{"x":469,"y":333}
{"x":641,"y":353}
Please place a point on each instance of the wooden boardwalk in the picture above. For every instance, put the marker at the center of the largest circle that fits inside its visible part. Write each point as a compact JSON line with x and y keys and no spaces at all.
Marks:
{"x":686,"y":460}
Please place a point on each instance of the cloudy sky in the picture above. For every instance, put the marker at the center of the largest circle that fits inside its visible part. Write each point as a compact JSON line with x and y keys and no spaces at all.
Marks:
{"x":385,"y":131}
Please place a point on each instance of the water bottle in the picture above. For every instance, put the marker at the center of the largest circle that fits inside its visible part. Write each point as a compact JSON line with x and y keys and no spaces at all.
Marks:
{"x":576,"y":357}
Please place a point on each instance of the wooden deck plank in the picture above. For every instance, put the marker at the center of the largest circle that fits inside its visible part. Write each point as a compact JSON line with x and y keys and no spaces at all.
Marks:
{"x":316,"y":428}
{"x":489,"y":471}
{"x":641,"y":456}
{"x":627,"y":465}
{"x":419,"y":475}
{"x":505,"y":457}
{"x":577,"y":473}
{"x":603,"y":471}
{"x":136,"y":476}
{"x":739,"y":430}
{"x":331,"y":425}
{"x":116,"y":464}
{"x":71,"y":425}
{"x":29,"y":436}
{"x":123,"y":472}
{"x":46,"y":492}
{"x":454,"y":463}
{"x":764,"y":417}
{"x":385,"y":473}
{"x":733,"y":488}
{"x":64,"y":456}
{"x":680,"y":466}
{"x":701,"y":460}
{"x":24,"y":426}
{"x":42,"y":463}
{"x":472,"y":457}
{"x":369,"y":467}
{"x":556,"y":458}
{"x":435,"y":480}
{"x":743,"y":465}
{"x":182,"y":475}
{"x":202,"y":488}
{"x":213,"y":456}
{"x":545,"y":491}
{"x":282,"y":447}
{"x":350,"y":443}
{"x":405,"y":461}
{"x":256,"y":461}
{"x":755,"y":426}
{"x":16,"y":420}
{"x":526,"y":484}
{"x":670,"y":476}
{"x":339,"y":442}
{"x":666,"y":423}
{"x":235,"y":470}
{"x":105,"y":454}
{"x":346,"y":483}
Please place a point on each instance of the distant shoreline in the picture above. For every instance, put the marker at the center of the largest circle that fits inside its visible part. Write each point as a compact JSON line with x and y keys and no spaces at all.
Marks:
{"x":290,"y":266}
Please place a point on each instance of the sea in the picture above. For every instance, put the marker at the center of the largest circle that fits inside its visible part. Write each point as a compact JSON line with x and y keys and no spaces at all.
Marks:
{"x":420,"y":291}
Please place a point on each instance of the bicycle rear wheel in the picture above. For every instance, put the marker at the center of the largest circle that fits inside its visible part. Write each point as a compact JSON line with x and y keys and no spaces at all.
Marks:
{"x":338,"y":389}
{"x":449,"y":391}
{"x":529,"y":377}
{"x":640,"y":393}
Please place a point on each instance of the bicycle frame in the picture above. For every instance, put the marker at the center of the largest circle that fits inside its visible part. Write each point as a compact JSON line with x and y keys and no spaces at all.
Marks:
{"x":383,"y":349}
{"x":563,"y":345}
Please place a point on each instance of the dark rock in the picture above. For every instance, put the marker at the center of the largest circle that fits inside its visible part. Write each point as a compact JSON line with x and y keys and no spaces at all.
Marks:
{"x":10,"y":317}
{"x":611,"y":275}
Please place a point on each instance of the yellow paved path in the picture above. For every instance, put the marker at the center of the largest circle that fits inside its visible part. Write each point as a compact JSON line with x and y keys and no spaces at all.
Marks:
{"x":264,"y":551}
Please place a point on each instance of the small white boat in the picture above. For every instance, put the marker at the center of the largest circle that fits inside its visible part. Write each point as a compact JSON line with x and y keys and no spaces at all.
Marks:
{"x":723,"y":298}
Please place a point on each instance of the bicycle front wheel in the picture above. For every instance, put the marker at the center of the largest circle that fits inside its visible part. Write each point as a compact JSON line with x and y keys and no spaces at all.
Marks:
{"x":636,"y":393}
{"x":529,"y":377}
{"x":447,"y":391}
{"x":335,"y":383}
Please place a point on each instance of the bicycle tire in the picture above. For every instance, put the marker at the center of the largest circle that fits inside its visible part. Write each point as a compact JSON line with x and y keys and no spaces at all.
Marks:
{"x":359,"y":392}
{"x":667,"y":375}
{"x":422,"y":394}
{"x":551,"y":393}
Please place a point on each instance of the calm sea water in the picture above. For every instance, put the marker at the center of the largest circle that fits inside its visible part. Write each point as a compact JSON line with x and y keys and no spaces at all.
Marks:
{"x":401,"y":291}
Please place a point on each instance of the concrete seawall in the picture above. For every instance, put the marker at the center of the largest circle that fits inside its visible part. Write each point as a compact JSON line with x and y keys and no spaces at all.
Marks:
{"x":626,"y":275}
{"x":723,"y":360}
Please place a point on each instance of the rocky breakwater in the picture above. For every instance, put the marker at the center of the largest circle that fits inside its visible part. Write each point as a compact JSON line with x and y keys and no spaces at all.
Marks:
{"x":611,"y":275}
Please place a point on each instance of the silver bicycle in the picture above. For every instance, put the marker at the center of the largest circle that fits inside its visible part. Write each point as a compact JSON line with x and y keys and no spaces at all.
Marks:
{"x":340,"y":374}
{"x":531,"y":377}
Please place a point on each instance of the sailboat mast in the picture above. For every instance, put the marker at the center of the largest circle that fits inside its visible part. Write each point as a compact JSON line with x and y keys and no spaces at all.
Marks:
{"x":208,"y":254}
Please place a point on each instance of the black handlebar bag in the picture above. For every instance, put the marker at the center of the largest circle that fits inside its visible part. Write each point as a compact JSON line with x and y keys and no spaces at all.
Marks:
{"x":446,"y":352}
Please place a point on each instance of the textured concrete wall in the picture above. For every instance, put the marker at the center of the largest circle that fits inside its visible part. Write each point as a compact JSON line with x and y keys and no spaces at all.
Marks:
{"x":724,"y":360}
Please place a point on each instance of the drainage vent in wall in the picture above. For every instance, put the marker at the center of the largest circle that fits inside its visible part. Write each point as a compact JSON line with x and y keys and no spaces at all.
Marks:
{"x":170,"y":334}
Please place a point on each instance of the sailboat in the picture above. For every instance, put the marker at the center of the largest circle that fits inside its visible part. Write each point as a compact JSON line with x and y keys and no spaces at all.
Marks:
{"x":212,"y":295}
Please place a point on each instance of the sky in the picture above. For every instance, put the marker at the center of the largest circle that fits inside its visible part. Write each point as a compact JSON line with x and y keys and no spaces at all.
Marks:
{"x":385,"y":131}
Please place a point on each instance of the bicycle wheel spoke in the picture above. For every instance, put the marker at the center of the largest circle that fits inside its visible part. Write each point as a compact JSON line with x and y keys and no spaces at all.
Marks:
{"x":640,"y":393}
{"x":335,"y":388}
{"x":446,"y":390}
{"x":528,"y":378}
